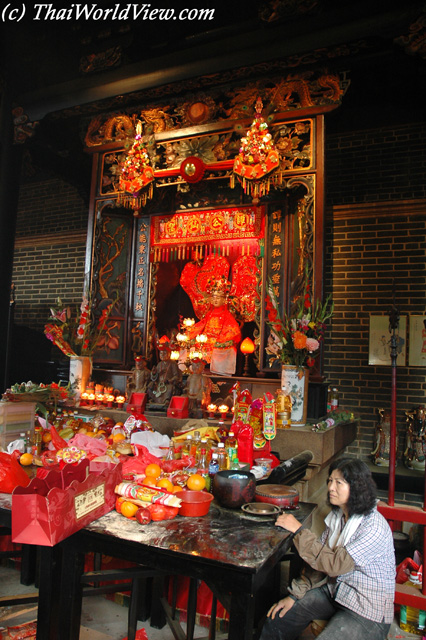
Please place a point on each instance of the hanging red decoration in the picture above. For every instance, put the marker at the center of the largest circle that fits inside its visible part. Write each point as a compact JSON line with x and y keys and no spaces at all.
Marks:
{"x":258,"y":158}
{"x":192,"y":169}
{"x":137,"y":175}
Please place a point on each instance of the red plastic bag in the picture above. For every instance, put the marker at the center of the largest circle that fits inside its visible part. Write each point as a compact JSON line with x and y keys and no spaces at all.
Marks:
{"x":140,"y":635}
{"x":403,"y":570}
{"x":26,"y":631}
{"x":11,"y":473}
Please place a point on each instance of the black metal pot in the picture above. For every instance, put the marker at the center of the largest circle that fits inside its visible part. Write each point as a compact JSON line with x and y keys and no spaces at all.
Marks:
{"x":234,"y":488}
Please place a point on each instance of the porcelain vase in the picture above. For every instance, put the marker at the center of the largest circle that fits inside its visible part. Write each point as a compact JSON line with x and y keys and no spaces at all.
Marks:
{"x":296,"y":381}
{"x":80,"y":372}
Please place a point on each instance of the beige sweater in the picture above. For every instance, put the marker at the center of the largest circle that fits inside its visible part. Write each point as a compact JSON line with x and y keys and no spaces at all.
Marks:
{"x":322,"y":563}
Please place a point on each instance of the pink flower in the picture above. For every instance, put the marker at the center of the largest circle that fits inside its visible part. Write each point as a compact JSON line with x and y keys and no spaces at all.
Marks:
{"x":61,"y":316}
{"x":312,"y":344}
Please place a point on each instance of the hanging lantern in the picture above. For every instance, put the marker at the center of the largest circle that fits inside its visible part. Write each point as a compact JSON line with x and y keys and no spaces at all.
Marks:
{"x":192,"y":169}
{"x":137,"y":175}
{"x":258,"y":158}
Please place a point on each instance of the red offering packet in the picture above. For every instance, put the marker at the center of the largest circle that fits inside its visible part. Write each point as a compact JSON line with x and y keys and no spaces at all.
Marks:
{"x":245,"y":443}
{"x":146,"y":494}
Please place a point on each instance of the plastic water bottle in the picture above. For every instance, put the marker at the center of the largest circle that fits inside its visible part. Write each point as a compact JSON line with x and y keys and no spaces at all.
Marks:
{"x":231,"y":446}
{"x":187,"y":445}
{"x":213,"y":467}
{"x":334,"y":399}
{"x":235,"y":464}
{"x":203,"y":468}
{"x":222,"y":456}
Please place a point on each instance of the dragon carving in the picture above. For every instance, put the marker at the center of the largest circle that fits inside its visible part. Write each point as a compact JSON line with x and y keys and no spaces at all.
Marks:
{"x":117,"y":127}
{"x":156,"y":119}
{"x":286,"y":88}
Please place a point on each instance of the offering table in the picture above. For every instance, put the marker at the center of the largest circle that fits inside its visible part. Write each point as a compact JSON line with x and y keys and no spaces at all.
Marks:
{"x":235,"y":554}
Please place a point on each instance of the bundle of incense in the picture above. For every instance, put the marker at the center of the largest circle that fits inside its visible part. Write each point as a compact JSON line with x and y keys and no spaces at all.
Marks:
{"x":146,"y":494}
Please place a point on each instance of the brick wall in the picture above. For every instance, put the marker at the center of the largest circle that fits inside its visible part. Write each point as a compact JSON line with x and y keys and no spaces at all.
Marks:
{"x":44,"y":272}
{"x":375,"y":165}
{"x":50,"y":206}
{"x":50,"y":249}
{"x":375,"y":236}
{"x":364,"y":257}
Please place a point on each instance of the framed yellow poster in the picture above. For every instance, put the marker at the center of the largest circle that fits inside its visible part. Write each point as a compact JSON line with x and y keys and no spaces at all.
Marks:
{"x":417,"y":350}
{"x":379,"y":352}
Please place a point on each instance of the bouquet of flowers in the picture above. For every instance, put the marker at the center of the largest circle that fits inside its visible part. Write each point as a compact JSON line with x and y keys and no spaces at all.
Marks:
{"x":295,"y":339}
{"x":73,"y":331}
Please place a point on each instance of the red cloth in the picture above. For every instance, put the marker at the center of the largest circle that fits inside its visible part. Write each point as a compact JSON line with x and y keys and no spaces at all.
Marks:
{"x":204,"y":601}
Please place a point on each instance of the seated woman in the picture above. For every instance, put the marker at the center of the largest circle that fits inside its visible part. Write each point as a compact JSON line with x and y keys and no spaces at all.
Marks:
{"x":355,"y":555}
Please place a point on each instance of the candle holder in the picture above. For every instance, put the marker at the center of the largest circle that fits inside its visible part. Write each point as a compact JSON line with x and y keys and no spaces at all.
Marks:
{"x":110,"y":400}
{"x":247,"y":347}
{"x":223,"y":410}
{"x":120,"y":400}
{"x":211,"y":408}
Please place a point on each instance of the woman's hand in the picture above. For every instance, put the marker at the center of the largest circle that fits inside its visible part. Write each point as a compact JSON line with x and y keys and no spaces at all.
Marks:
{"x":288,"y":521}
{"x":282,"y":607}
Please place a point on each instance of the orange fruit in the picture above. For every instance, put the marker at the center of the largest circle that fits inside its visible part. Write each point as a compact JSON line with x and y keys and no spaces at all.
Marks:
{"x":153,"y":470}
{"x":176,"y":488}
{"x":128,"y":509}
{"x":118,"y":502}
{"x":164,"y":483}
{"x":196,"y":482}
{"x":149,"y":482}
{"x":47,"y":436}
{"x":118,"y":437}
{"x":26,"y":459}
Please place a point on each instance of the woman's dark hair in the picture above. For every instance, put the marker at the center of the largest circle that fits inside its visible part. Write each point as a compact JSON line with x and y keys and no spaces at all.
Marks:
{"x":362,"y":496}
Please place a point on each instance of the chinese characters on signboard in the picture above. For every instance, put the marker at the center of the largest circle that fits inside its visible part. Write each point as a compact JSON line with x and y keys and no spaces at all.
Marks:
{"x":89,"y":500}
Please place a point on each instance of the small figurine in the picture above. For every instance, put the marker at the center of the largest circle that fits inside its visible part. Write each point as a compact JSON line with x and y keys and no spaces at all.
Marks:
{"x":138,"y":381}
{"x":414,"y":454}
{"x":165,"y":381}
{"x":198,"y":389}
{"x":381,"y":450}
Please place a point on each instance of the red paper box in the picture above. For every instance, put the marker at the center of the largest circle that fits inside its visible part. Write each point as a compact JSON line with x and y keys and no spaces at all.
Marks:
{"x":53,"y":508}
{"x":178,"y":407}
{"x":137,"y":403}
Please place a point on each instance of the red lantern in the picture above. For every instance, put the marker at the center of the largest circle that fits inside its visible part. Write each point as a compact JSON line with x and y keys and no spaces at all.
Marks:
{"x":192,"y":169}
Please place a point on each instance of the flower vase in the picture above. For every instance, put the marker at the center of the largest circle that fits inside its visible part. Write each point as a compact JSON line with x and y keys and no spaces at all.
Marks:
{"x":80,"y":372}
{"x":295,"y":381}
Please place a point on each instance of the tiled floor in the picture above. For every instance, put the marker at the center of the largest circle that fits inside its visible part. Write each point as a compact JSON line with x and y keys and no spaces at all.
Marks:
{"x":104,"y":619}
